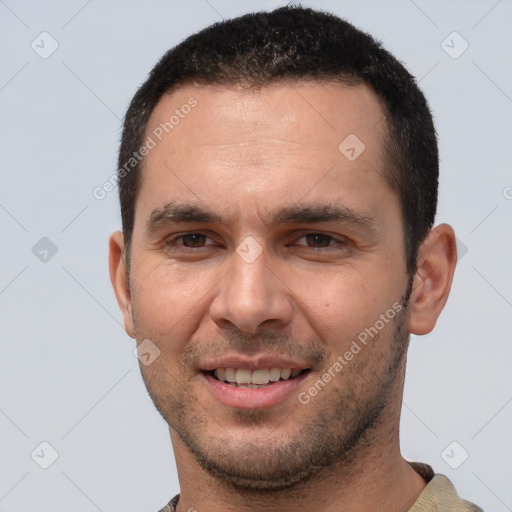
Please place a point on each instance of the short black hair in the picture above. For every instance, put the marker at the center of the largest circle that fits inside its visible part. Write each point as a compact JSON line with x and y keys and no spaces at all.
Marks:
{"x":295,"y":43}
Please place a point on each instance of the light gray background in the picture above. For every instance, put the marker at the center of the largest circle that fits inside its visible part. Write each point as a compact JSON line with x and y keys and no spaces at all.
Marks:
{"x":67,"y":372}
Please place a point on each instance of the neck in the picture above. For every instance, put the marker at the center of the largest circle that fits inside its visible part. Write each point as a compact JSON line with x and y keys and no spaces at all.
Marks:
{"x":376,"y":478}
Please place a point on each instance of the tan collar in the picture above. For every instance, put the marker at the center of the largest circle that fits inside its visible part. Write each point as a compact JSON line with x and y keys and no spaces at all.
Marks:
{"x":439,"y":495}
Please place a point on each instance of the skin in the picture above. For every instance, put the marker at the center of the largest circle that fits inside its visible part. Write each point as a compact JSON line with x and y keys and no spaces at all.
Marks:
{"x":245,"y":154}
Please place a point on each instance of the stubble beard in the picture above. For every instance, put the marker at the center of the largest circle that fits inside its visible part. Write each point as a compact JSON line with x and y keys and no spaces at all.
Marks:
{"x":340,"y":433}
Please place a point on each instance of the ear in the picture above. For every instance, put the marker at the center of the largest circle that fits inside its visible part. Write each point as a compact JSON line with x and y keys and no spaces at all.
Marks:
{"x":436,"y":262}
{"x":120,"y":279}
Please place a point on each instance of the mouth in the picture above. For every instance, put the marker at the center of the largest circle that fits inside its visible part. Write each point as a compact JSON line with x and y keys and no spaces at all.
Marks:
{"x":258,"y":381}
{"x":255,"y":379}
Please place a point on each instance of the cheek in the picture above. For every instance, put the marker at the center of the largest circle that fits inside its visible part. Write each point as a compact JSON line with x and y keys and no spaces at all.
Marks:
{"x":343,"y":304}
{"x":165,"y":302}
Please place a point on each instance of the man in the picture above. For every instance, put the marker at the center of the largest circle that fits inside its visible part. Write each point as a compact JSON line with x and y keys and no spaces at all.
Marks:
{"x":278,"y":182}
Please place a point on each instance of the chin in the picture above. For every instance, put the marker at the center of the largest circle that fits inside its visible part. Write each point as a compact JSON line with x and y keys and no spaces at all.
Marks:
{"x":261,"y":477}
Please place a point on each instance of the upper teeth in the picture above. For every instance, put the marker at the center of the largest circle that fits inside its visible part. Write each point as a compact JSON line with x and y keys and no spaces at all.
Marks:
{"x":246,"y":376}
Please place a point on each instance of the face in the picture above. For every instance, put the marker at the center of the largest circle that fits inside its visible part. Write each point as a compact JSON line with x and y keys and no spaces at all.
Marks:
{"x":268,"y":269}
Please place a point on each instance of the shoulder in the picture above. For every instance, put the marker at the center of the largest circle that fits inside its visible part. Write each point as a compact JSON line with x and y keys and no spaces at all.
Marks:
{"x":440,"y":495}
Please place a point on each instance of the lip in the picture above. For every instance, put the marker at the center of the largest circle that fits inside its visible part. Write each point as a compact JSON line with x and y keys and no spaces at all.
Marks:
{"x":257,"y":362}
{"x":253,"y":398}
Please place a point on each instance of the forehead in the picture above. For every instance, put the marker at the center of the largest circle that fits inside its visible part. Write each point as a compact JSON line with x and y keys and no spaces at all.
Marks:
{"x":322,"y":111}
{"x":231,"y":147}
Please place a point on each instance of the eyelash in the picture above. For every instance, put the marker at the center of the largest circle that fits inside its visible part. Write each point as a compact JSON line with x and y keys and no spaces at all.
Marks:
{"x":331,"y":238}
{"x":174,"y":240}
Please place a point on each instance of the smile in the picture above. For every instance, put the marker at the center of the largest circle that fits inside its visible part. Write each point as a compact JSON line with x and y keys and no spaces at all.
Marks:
{"x":253,"y":379}
{"x":260,"y":388}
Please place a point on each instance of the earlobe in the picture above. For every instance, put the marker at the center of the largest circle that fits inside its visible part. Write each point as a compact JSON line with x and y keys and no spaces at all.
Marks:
{"x":119,"y":279}
{"x":437,"y":258}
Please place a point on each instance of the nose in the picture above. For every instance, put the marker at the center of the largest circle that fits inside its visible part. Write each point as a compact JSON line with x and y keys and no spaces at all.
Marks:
{"x":250,"y":295}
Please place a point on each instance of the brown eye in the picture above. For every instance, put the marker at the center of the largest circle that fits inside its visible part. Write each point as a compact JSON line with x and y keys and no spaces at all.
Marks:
{"x":193,"y":239}
{"x":318,"y":240}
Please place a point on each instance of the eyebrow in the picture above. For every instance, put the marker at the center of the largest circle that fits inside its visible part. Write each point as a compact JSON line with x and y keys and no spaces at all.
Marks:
{"x":316,"y":213}
{"x":178,"y":213}
{"x":301,"y":213}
